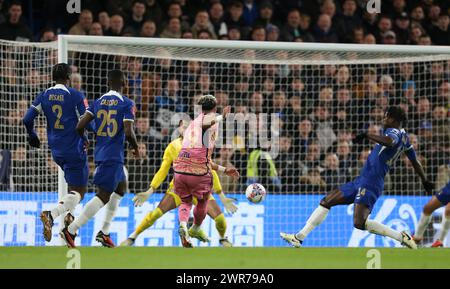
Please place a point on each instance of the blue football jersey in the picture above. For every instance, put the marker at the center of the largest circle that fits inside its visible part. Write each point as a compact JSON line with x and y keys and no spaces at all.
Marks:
{"x":62,"y":106}
{"x":381,"y":158}
{"x":110,"y":111}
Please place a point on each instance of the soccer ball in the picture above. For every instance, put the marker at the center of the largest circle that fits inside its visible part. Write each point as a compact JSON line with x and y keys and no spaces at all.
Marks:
{"x":255,"y":193}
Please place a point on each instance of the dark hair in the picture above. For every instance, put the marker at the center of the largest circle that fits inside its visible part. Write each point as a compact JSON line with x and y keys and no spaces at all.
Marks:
{"x":208,"y":102}
{"x":61,"y":71}
{"x":397,"y":113}
{"x":138,"y":1}
{"x":115,"y":75}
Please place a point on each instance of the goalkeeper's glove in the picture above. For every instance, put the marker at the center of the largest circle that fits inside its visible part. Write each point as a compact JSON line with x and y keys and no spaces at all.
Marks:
{"x":228,"y":203}
{"x":140,"y":198}
{"x":34,"y":141}
{"x":429,"y":186}
{"x":360,"y":137}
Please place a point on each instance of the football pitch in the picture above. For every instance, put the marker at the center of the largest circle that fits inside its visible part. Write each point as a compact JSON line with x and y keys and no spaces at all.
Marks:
{"x":220,"y":258}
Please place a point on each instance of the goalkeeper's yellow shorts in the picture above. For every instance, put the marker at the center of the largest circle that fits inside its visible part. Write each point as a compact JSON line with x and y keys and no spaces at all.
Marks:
{"x":170,"y":191}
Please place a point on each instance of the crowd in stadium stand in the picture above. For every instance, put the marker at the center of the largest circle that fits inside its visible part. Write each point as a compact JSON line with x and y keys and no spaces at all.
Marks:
{"x":320,"y":106}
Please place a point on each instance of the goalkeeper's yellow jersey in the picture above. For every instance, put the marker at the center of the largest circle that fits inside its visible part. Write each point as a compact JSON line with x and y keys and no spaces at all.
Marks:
{"x":170,"y":154}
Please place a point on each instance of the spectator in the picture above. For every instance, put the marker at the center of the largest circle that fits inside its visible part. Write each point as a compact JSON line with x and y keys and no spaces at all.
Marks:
{"x":345,"y":157}
{"x":217,"y":19}
{"x":422,"y":114}
{"x":398,"y":8}
{"x":149,"y":29}
{"x":250,"y":12}
{"x":406,"y":83}
{"x":440,"y":33}
{"x":14,"y":28}
{"x":173,"y":29}
{"x":369,"y":22}
{"x":329,"y":8}
{"x":402,"y":28}
{"x":292,"y":28}
{"x":416,"y":32}
{"x":288,"y":167}
{"x":273,"y":33}
{"x":235,"y":18}
{"x":323,"y":31}
{"x":443,"y":95}
{"x":384,"y":25}
{"x":116,"y":26}
{"x":342,"y":77}
{"x":332,"y":174}
{"x":358,"y":35}
{"x":154,"y":12}
{"x":424,"y":40}
{"x":417,"y":15}
{"x":265,"y":14}
{"x":204,"y":34}
{"x":262,"y":169}
{"x":441,"y":126}
{"x":96,"y":29}
{"x":433,"y":17}
{"x":256,"y":102}
{"x":202,"y":23}
{"x":139,"y":170}
{"x":369,"y":76}
{"x":324,"y":126}
{"x":312,"y":159}
{"x":48,"y":35}
{"x":386,"y":85}
{"x":258,"y":33}
{"x":136,"y":19}
{"x":187,"y":35}
{"x":389,"y":38}
{"x":84,"y":23}
{"x":175,"y":11}
{"x":347,"y":21}
{"x":134,"y":78}
{"x":104,"y":20}
{"x":76,"y":81}
{"x":304,"y":137}
{"x":234,"y":33}
{"x":369,"y":39}
{"x":312,"y":182}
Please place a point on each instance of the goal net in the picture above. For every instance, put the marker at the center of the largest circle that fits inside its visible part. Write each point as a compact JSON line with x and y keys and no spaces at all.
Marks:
{"x":295,"y":110}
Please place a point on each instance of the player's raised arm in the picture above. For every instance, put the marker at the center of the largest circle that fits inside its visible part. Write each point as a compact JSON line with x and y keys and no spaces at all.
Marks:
{"x":384,"y":140}
{"x":211,"y":119}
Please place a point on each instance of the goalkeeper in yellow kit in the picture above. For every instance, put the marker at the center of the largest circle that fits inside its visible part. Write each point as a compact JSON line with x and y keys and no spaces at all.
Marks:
{"x":171,"y":200}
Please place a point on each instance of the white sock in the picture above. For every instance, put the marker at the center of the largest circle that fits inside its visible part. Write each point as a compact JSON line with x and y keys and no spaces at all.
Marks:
{"x":183,"y":224}
{"x":67,"y":204}
{"x":422,"y":225}
{"x":133,"y":235}
{"x":91,"y":208}
{"x":383,"y":230}
{"x":316,"y":218}
{"x":444,"y":228}
{"x":111,"y":208}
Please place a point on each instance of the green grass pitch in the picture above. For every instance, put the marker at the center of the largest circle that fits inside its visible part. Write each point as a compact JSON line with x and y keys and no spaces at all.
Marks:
{"x":223,"y":258}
